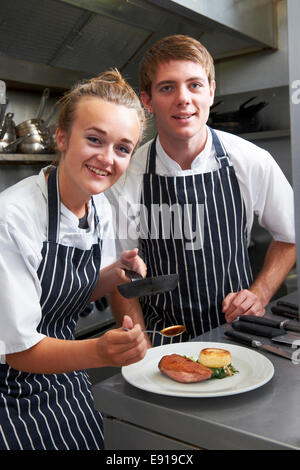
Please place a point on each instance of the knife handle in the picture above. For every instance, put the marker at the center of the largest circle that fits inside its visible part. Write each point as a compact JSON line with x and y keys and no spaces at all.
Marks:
{"x":133,"y":275}
{"x":240,"y":337}
{"x":288,"y":305}
{"x":259,"y":330}
{"x":285,"y":312}
{"x":261,"y":321}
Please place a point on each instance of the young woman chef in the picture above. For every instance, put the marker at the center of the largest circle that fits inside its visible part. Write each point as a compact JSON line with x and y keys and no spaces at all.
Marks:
{"x":50,"y":269}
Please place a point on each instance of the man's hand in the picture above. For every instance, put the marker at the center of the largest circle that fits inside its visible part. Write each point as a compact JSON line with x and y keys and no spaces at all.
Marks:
{"x":240,"y":303}
{"x":279,"y":260}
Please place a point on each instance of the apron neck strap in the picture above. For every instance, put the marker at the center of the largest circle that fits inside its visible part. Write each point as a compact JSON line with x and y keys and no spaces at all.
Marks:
{"x":54,"y":207}
{"x":96,"y":218}
{"x":221,"y":154}
{"x":151,"y":160}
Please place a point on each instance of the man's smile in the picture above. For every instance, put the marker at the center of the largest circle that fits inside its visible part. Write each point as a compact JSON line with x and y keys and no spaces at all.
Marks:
{"x":183,"y":116}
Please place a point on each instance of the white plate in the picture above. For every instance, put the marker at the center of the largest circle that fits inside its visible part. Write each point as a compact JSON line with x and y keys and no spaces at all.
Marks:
{"x":254,"y":371}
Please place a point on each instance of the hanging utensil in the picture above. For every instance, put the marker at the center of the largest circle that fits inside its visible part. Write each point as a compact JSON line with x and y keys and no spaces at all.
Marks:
{"x":3,"y":108}
{"x":51,"y":114}
{"x":139,"y":287}
{"x":42,"y":104}
{"x":3,"y":104}
{"x":2,"y":92}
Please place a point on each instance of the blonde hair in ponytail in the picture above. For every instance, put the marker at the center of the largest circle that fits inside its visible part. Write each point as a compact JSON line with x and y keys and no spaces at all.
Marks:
{"x":109,"y":86}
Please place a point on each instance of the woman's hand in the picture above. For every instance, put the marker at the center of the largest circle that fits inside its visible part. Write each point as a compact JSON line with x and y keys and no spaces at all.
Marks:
{"x":117,"y":348}
{"x":56,"y":356}
{"x":130,"y":260}
{"x":114,"y":275}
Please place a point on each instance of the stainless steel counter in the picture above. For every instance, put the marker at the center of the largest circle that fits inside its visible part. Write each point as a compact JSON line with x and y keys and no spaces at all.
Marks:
{"x":265,"y":418}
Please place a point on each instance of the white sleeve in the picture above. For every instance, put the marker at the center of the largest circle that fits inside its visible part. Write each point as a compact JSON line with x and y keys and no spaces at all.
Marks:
{"x":126,"y":209}
{"x":107,"y":233}
{"x":20,"y":306}
{"x":274,"y":202}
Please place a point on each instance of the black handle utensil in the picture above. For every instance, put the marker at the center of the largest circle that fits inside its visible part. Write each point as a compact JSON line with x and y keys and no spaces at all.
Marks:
{"x":249,"y":341}
{"x":259,"y":330}
{"x":285,"y":312}
{"x":282,"y":303}
{"x":285,"y":325}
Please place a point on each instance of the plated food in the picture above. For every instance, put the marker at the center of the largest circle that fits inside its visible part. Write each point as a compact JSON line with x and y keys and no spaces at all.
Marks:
{"x":211,"y":363}
{"x":254,"y":370}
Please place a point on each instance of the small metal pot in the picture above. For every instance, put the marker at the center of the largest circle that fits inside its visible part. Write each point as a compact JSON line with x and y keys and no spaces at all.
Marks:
{"x":33,"y":137}
{"x":29,"y":125}
{"x":8,"y":135}
{"x":35,"y":142}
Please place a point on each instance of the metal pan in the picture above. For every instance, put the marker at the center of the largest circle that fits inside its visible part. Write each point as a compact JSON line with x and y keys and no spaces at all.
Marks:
{"x":139,"y":287}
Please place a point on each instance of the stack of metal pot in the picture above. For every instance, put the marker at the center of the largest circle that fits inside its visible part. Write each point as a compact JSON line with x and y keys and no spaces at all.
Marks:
{"x":33,"y":135}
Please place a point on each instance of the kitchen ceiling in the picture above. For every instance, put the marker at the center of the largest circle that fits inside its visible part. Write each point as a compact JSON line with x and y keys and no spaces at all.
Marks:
{"x":89,"y":36}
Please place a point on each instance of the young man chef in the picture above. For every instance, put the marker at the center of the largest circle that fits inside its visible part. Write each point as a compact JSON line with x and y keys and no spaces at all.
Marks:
{"x":190,"y":196}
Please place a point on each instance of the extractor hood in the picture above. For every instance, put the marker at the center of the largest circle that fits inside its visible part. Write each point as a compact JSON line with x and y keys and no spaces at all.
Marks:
{"x":56,"y":42}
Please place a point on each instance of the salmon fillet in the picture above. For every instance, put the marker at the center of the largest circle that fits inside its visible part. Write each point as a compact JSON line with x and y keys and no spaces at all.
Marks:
{"x":183,"y":369}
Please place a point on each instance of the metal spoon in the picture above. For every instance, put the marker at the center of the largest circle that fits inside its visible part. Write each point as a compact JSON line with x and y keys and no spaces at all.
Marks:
{"x":170,"y":331}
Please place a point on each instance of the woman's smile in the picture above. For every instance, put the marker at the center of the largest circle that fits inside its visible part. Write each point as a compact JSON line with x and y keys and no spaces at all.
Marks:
{"x":97,"y":171}
{"x":102,"y":140}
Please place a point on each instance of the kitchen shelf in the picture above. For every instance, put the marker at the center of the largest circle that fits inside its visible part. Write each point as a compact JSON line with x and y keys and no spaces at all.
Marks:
{"x":25,"y":159}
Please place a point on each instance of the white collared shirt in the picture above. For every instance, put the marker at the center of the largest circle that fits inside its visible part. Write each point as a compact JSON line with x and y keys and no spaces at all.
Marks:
{"x":264,"y":188}
{"x":23,"y":229}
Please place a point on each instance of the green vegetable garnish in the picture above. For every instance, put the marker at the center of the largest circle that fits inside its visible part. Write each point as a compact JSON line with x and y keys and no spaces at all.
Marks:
{"x":222,"y":372}
{"x":219,"y":372}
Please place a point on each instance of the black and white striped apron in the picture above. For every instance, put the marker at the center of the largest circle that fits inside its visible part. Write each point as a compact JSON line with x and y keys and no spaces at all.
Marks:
{"x":54,"y":411}
{"x":207,"y":273}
